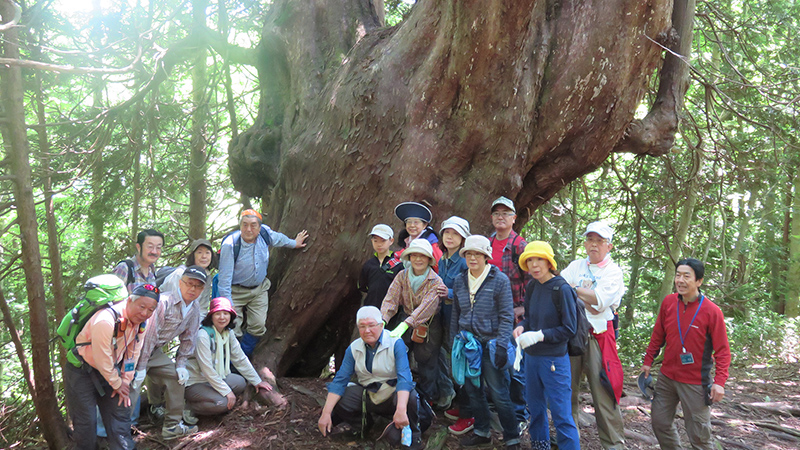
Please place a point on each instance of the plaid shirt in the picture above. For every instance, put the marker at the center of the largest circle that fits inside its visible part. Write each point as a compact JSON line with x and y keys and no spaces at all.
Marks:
{"x":510,"y":266}
{"x":167,"y":322}
{"x":121,"y":270}
{"x":420,"y":306}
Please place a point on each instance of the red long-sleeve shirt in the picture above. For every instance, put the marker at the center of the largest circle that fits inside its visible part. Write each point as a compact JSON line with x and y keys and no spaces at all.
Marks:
{"x":706,"y":340}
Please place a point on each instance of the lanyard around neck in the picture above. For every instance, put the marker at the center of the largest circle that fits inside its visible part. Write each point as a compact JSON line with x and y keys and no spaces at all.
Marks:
{"x":678,"y":313}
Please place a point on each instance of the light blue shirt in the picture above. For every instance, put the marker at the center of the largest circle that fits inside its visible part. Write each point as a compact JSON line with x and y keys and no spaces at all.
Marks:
{"x":250,"y":268}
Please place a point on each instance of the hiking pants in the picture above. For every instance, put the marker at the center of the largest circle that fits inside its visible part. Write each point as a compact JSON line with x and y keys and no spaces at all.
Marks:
{"x":697,"y":416}
{"x":204,"y":400}
{"x":494,"y":382}
{"x":548,"y":387}
{"x":610,"y":426}
{"x":162,"y":375}
{"x":355,"y":405}
{"x":84,"y":399}
{"x":256,"y":302}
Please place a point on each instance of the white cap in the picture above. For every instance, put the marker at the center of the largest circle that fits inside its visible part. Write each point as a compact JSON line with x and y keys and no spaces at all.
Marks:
{"x":369,"y":312}
{"x":382,"y":231}
{"x":603,"y":230}
{"x":457,"y":224}
{"x":505,"y":201}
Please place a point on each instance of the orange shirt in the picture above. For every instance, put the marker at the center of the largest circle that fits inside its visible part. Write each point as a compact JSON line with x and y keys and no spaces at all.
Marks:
{"x":100,"y":352}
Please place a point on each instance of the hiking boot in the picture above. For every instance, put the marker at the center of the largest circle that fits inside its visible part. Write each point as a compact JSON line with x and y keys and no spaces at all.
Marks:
{"x":189,"y":418}
{"x":158,"y":412}
{"x":461,"y":426}
{"x":473,"y":440}
{"x":178,"y":431}
{"x":452,"y":414}
{"x":445,"y":402}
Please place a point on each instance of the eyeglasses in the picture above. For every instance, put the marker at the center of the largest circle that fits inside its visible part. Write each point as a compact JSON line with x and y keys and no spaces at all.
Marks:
{"x":362,"y":326}
{"x":503,"y":214}
{"x":597,"y":241}
{"x":195,"y":286}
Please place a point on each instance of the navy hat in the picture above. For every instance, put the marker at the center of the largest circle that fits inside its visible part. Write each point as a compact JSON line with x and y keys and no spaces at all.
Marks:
{"x":646,"y":386}
{"x":196,"y":272}
{"x":147,"y":290}
{"x":407,"y":210}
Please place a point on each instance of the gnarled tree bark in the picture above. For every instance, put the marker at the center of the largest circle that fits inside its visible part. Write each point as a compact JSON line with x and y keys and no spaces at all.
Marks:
{"x":462,"y":102}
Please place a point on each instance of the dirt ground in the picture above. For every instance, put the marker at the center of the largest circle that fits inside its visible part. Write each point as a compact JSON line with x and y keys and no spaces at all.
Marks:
{"x":761,"y":410}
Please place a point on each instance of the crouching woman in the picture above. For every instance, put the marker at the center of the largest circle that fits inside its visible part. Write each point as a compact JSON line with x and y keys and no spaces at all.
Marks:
{"x":212,"y":388}
{"x":380,"y":364}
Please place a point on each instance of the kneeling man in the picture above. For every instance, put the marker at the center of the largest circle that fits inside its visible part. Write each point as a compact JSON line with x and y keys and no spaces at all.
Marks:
{"x":380,"y":364}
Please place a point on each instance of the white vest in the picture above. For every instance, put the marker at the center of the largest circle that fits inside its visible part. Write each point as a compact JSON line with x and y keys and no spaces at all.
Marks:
{"x":383,"y":366}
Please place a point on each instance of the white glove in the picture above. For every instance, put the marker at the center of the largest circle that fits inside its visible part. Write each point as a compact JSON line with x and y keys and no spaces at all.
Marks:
{"x":529,"y":338}
{"x":183,"y":375}
{"x":518,"y":357}
{"x":138,"y":377}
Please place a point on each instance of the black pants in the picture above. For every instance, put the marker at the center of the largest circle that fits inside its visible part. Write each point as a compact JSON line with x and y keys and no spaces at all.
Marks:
{"x":349,"y":410}
{"x":84,"y":399}
{"x":426,"y":355}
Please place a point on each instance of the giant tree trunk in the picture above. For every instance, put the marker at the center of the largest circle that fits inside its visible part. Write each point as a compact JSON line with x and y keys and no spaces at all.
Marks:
{"x":197,"y":158}
{"x":462,"y":102}
{"x":16,"y":143}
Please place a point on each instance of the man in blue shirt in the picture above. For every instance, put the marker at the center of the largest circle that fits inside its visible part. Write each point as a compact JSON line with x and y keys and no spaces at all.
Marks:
{"x":243,"y":261}
{"x":380,"y":364}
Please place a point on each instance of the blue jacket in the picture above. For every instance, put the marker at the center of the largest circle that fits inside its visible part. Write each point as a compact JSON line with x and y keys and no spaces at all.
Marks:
{"x":449,"y":269}
{"x":492,"y":314}
{"x":541,"y":314}
{"x":466,"y":359}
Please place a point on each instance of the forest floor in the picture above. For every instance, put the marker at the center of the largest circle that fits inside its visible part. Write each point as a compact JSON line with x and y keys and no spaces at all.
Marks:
{"x":761,"y":410}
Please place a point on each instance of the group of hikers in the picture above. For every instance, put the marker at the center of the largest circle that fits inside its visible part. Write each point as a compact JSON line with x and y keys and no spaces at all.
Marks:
{"x":489,"y":331}
{"x":485,"y":329}
{"x":121,"y":346}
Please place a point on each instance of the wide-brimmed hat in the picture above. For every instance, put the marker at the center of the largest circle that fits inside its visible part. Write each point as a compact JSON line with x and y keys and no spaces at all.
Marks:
{"x":505,"y":201}
{"x":407,"y":210}
{"x":457,"y":224}
{"x":382,"y":231}
{"x":537,"y":249}
{"x":602,"y":230}
{"x":419,"y":246}
{"x":221,"y":304}
{"x":646,"y":385}
{"x":477,"y":243}
{"x":198,"y":242}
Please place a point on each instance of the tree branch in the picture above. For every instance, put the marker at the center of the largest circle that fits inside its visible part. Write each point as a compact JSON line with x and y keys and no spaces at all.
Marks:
{"x":14,"y":20}
{"x":69,"y":69}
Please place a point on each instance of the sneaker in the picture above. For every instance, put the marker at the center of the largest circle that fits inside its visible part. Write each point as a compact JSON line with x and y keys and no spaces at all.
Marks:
{"x":462,"y":426}
{"x":177,"y":431}
{"x":452,"y":414}
{"x":473,"y":440}
{"x":189,"y":418}
{"x":158,"y":412}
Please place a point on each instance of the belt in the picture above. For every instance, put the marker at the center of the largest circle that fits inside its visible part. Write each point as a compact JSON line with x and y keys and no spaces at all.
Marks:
{"x":246,"y":287}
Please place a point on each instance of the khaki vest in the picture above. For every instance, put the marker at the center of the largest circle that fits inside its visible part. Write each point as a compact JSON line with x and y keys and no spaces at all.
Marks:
{"x":383,"y":366}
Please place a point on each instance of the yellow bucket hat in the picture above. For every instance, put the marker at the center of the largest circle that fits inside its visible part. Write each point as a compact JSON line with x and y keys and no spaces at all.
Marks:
{"x":538,"y":249}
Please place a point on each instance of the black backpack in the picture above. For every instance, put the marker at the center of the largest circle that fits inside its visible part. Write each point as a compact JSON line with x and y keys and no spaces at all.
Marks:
{"x":237,"y":241}
{"x":579,"y":342}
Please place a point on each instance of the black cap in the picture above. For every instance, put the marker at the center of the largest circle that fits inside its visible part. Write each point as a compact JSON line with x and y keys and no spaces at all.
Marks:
{"x":147,"y":290}
{"x":196,"y":272}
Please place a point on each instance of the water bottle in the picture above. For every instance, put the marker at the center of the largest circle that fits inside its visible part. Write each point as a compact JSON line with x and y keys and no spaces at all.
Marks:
{"x":405,"y":438}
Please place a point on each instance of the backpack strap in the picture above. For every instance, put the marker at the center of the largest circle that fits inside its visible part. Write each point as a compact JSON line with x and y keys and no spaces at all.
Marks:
{"x":131,"y":277}
{"x":556,"y":294}
{"x":211,"y":337}
{"x":237,"y":241}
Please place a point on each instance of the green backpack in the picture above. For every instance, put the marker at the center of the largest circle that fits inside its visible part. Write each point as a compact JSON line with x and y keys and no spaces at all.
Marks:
{"x":101,"y":292}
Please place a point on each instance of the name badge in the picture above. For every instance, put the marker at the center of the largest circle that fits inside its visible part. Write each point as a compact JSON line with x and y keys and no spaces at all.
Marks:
{"x":129,"y":365}
{"x":687,"y":358}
